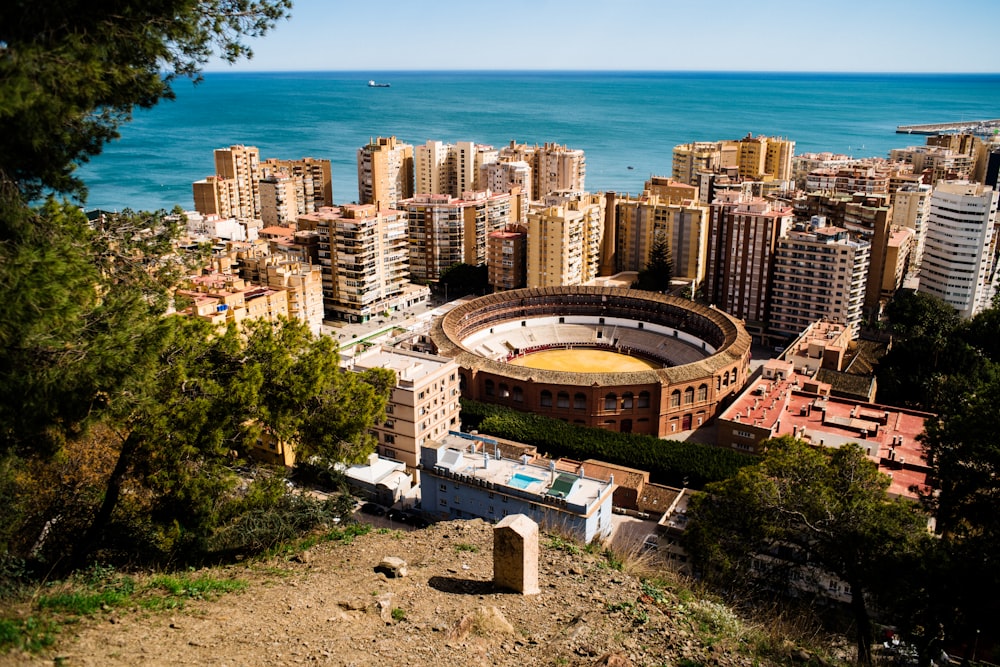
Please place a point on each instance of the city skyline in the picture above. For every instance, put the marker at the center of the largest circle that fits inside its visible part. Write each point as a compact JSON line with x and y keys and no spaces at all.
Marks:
{"x":633,"y":35}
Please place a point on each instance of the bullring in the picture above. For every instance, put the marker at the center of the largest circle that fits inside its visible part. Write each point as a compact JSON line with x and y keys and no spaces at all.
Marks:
{"x":701,"y":355}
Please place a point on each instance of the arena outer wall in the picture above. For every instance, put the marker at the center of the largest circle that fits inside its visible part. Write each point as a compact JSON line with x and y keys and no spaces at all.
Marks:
{"x":654,"y":402}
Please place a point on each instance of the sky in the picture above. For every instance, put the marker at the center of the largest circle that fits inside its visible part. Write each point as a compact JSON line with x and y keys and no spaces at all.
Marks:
{"x":659,"y":35}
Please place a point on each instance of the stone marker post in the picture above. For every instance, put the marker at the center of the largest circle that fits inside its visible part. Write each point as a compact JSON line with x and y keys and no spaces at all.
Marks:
{"x":515,"y":554}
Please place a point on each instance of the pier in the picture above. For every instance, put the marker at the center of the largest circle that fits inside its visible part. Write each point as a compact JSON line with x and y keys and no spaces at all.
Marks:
{"x":979,"y":127}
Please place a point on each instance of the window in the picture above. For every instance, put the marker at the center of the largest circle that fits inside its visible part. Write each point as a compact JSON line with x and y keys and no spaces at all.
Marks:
{"x":562,"y":400}
{"x":643,"y":399}
{"x":444,"y":488}
{"x":627,"y":400}
{"x":390,"y":438}
{"x":546,"y":399}
{"x":490,"y":388}
{"x":675,"y":398}
{"x":518,"y":395}
{"x":504,"y":391}
{"x":688,"y":396}
{"x":388,"y":409}
{"x":610,"y":402}
{"x":580,"y":402}
{"x":443,"y":502}
{"x":389,"y":423}
{"x":703,"y":393}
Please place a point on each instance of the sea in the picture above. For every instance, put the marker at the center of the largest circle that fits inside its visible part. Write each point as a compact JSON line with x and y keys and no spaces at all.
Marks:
{"x":626,"y":122}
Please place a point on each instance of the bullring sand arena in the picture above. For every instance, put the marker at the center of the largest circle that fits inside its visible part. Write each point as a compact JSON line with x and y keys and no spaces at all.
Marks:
{"x":612,"y":358}
{"x":584,"y":361}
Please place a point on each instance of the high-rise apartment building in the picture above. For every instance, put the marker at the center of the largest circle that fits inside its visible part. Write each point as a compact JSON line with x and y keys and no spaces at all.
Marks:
{"x":279,"y":203}
{"x":506,"y":177}
{"x":554,"y":168}
{"x":742,"y":238}
{"x":702,"y":156}
{"x":385,"y":172}
{"x":819,"y":273}
{"x":910,"y":207}
{"x":684,"y":223}
{"x":423,"y":405}
{"x":216,"y":196}
{"x":363,"y":253}
{"x":564,"y":241}
{"x":445,"y":230}
{"x":314,"y":184}
{"x":450,"y":169}
{"x":241,"y":164}
{"x":849,"y":180}
{"x":765,"y":158}
{"x":960,"y":248}
{"x":507,"y":258}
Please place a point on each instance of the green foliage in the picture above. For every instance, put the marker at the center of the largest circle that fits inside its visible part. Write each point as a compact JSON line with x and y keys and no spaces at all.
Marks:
{"x":668,"y":462}
{"x":73,"y":74}
{"x":800,"y":502}
{"x":29,"y":634}
{"x":562,"y":544}
{"x":465,"y":547}
{"x":398,"y":614}
{"x":659,"y":271}
{"x":463,"y":279}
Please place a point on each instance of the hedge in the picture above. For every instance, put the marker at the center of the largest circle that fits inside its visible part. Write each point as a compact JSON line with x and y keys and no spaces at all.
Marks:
{"x":671,"y":462}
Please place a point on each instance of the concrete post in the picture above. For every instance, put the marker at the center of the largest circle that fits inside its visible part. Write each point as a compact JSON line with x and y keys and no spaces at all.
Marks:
{"x":515,"y":554}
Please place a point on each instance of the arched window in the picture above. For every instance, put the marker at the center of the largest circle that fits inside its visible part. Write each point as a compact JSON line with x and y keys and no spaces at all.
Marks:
{"x":517,"y":394}
{"x":725,"y":379}
{"x":579,"y":401}
{"x":546,"y":399}
{"x":703,"y":392}
{"x":562,"y":399}
{"x":627,"y":400}
{"x":610,"y":402}
{"x":490,"y":388}
{"x":643,"y":399}
{"x":675,"y":398}
{"x":688,"y":396}
{"x":504,"y":391}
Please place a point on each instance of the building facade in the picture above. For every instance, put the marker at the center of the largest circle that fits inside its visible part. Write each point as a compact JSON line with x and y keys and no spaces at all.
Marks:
{"x":445,"y":230}
{"x":564,"y":241}
{"x":465,"y":477}
{"x":553,"y":167}
{"x":819,"y":274}
{"x":959,"y":262}
{"x":424,"y":403}
{"x":385,"y":172}
{"x":507,"y":258}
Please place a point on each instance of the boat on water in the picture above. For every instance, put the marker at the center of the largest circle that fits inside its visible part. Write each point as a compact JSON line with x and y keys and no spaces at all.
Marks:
{"x":372,"y":83}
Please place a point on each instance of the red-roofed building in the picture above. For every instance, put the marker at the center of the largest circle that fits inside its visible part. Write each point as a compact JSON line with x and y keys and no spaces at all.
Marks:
{"x":782,"y":401}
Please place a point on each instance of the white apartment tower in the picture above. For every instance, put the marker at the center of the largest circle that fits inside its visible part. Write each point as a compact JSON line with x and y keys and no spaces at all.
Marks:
{"x":959,"y":263}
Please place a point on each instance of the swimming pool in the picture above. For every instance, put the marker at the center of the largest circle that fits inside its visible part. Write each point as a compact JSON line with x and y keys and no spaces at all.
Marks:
{"x":519,"y":481}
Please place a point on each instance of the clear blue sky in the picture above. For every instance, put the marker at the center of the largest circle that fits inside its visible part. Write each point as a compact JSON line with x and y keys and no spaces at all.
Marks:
{"x":756,"y":35}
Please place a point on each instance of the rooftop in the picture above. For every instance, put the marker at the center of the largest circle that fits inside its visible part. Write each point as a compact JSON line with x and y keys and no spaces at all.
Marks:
{"x":479,"y":458}
{"x":781,"y":404}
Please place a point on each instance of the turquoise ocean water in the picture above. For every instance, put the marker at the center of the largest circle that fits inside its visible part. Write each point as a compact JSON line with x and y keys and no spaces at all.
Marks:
{"x":621,"y":119}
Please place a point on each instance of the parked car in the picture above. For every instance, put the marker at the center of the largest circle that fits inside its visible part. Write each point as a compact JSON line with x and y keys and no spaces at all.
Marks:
{"x":373,"y":509}
{"x":398,"y":516}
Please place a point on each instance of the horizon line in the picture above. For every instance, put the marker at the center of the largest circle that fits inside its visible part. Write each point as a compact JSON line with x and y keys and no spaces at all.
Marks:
{"x":597,"y":71}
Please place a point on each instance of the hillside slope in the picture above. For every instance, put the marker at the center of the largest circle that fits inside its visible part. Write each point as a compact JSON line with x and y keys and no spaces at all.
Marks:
{"x":322,"y":606}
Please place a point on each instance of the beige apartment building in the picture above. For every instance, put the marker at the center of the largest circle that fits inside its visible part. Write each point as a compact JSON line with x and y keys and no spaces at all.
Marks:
{"x":702,"y":156}
{"x":450,"y":169}
{"x":385,"y":172}
{"x":313,"y":181}
{"x":445,"y":230}
{"x":513,"y":177}
{"x":564,"y":241}
{"x":554,"y":167}
{"x":910,"y":207}
{"x":424,"y":403}
{"x":684,"y":222}
{"x":241,"y":164}
{"x":279,"y":204}
{"x":849,"y":180}
{"x":364,"y":259}
{"x":215,"y":196}
{"x":765,"y":158}
{"x":820,"y":273}
{"x":222,"y":299}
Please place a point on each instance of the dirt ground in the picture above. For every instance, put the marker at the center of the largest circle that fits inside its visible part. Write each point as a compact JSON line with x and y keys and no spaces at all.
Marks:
{"x":329,"y":605}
